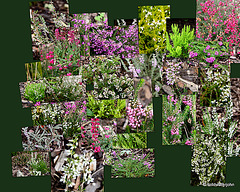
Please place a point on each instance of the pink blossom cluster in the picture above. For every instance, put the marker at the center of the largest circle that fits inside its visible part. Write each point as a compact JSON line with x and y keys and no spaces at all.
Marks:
{"x":136,"y":114}
{"x":218,"y":21}
{"x":187,"y":101}
{"x":192,"y":54}
{"x":171,"y":71}
{"x":95,"y":134}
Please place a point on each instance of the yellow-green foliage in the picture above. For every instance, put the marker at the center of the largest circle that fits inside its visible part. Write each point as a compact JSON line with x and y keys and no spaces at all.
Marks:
{"x":152,"y":28}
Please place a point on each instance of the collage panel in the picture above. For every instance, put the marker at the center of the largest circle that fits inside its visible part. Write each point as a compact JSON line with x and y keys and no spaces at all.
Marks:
{"x":45,"y":17}
{"x":147,"y":65}
{"x":69,"y":115}
{"x":218,"y":21}
{"x":42,"y":138}
{"x":215,"y":86}
{"x":66,"y":55}
{"x":178,"y":119}
{"x":209,"y":159}
{"x":152,"y":28}
{"x":213,"y":138}
{"x":107,"y":78}
{"x":180,"y":72}
{"x":114,"y":40}
{"x":76,"y":169}
{"x":30,"y":163}
{"x":130,"y":141}
{"x":131,"y":163}
{"x":55,"y":89}
{"x":235,"y":131}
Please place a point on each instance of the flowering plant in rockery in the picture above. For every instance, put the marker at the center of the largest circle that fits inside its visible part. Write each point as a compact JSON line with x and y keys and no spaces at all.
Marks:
{"x":218,"y":21}
{"x":117,"y":40}
{"x":179,"y":119}
{"x":140,"y":118}
{"x":64,"y":56}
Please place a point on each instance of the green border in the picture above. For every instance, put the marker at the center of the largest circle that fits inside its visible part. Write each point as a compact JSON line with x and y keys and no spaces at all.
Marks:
{"x":173,"y":162}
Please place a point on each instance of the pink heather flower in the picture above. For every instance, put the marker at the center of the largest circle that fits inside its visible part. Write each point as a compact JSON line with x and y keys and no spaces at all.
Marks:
{"x":114,"y":153}
{"x":69,"y":74}
{"x":50,"y":67}
{"x":138,"y":71}
{"x":215,"y":66}
{"x":38,"y":103}
{"x":220,"y":43}
{"x":51,"y":61}
{"x":175,"y":131}
{"x":107,"y":136}
{"x":97,"y":149}
{"x":157,"y":88}
{"x":188,"y":142}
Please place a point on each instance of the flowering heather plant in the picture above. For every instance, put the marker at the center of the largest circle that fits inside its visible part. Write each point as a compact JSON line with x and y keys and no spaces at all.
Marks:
{"x":209,"y":51}
{"x":112,"y":86}
{"x":218,"y":21}
{"x":75,"y":115}
{"x":147,"y":66}
{"x":97,"y":137}
{"x":70,"y":114}
{"x":140,"y":118}
{"x":213,"y":140}
{"x":179,"y":119}
{"x":170,"y":72}
{"x":215,"y":87}
{"x":117,"y":40}
{"x":152,"y":28}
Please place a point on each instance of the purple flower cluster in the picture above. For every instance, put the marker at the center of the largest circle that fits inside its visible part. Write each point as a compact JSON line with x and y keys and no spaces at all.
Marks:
{"x":193,"y":54}
{"x":210,"y":59}
{"x":108,"y":40}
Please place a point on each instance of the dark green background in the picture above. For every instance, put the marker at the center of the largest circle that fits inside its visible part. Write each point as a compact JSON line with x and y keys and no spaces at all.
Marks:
{"x":172,"y":162}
